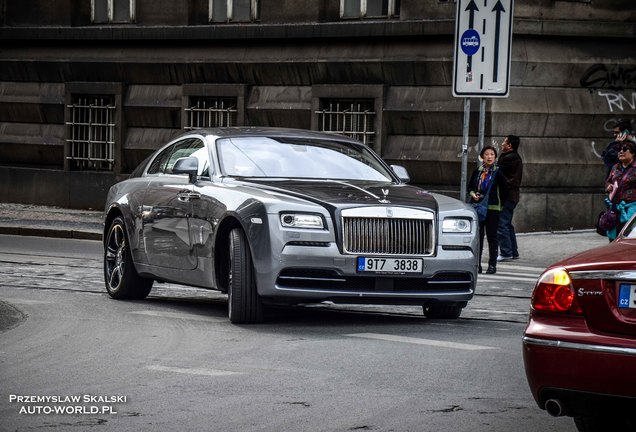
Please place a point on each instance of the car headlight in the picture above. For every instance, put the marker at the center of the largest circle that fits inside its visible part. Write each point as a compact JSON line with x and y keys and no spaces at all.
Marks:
{"x":451,"y":225}
{"x":301,"y":220}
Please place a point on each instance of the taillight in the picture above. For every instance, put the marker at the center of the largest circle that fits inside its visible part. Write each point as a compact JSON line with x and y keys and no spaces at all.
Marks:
{"x":554,"y":293}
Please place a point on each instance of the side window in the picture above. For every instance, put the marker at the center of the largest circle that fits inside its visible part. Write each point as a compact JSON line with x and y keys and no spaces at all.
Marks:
{"x":165,"y":160}
{"x":350,"y":117}
{"x":184,"y":149}
{"x":207,"y":112}
{"x":112,"y":11}
{"x":369,"y":8}
{"x":158,"y":165}
{"x":233,"y":11}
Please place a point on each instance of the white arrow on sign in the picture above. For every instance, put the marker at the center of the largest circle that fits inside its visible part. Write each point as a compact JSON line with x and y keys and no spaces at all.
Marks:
{"x":483,"y":41}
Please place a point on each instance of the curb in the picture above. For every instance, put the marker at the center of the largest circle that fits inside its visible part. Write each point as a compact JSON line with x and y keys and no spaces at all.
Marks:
{"x":51,"y":232}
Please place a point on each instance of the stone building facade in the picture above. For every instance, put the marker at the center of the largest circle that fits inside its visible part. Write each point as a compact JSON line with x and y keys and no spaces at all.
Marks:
{"x":88,"y":88}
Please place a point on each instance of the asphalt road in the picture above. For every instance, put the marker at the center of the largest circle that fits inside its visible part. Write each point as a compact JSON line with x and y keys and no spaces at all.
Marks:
{"x":174,"y":362}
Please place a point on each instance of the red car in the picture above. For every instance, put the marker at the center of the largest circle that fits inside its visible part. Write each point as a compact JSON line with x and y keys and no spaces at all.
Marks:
{"x":579,"y":348}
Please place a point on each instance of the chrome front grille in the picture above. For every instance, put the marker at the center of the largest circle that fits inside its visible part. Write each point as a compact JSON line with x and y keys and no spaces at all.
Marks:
{"x":388,"y":236}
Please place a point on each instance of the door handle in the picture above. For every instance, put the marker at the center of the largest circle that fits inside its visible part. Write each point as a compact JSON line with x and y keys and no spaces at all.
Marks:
{"x":188,"y":195}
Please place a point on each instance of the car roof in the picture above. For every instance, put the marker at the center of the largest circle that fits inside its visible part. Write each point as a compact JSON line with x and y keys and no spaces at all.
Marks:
{"x":244,"y":131}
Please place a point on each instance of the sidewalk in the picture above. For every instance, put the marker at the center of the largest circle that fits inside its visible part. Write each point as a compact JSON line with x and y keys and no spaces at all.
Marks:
{"x":45,"y":221}
{"x":542,"y":248}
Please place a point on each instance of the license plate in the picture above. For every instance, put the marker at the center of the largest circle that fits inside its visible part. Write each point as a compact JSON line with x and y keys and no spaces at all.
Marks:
{"x":390,"y":265}
{"x":627,"y":296}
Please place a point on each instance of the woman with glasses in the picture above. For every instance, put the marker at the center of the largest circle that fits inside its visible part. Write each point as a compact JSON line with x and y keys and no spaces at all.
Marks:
{"x":622,"y":131}
{"x":621,"y":185}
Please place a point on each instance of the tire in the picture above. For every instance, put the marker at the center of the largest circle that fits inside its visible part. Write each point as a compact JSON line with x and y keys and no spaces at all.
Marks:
{"x":244,"y":303}
{"x":120,"y":276}
{"x":442,"y":310}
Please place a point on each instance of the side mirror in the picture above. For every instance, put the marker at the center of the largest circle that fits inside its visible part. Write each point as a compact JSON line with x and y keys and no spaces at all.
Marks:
{"x":187,"y":165}
{"x":401,"y":172}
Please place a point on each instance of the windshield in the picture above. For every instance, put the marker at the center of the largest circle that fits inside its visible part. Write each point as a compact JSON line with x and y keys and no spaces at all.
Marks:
{"x":296,"y":158}
{"x":630,"y":229}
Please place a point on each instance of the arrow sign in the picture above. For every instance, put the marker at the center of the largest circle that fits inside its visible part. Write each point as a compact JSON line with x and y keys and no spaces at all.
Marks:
{"x":498,"y":9}
{"x":486,"y":31}
{"x":470,"y":35}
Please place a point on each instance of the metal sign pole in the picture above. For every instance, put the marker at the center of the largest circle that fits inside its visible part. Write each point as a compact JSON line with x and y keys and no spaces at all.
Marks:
{"x":482,"y":122}
{"x":462,"y":191}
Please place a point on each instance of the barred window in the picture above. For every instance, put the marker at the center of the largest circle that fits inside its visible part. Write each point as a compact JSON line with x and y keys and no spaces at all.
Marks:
{"x":112,"y":11}
{"x":352,"y":117}
{"x":206,"y":112}
{"x":369,"y":8}
{"x":92,"y":132}
{"x":233,"y":10}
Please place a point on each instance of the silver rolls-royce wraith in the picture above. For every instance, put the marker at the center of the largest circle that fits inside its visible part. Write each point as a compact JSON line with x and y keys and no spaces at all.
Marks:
{"x":280,"y":217}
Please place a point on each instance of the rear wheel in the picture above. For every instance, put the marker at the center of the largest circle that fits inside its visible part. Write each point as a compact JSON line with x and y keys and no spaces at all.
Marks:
{"x":442,"y":310}
{"x":244,"y":303}
{"x":121,"y":277}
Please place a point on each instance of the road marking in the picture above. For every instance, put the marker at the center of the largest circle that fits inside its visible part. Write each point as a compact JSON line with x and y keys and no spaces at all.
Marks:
{"x":419,"y":341}
{"x":509,"y":272}
{"x":179,"y":315}
{"x":503,"y":278}
{"x":499,"y":311}
{"x":25,"y":301}
{"x":192,"y":371}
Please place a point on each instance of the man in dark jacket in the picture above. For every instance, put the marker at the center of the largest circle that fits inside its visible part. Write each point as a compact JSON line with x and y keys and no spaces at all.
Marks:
{"x":511,"y":166}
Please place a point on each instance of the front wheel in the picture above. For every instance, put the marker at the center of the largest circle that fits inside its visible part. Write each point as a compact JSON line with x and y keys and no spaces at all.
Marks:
{"x":244,"y":303}
{"x":121,"y":277}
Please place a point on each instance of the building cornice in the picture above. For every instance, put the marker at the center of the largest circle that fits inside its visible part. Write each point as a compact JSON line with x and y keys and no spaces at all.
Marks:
{"x":344,"y":29}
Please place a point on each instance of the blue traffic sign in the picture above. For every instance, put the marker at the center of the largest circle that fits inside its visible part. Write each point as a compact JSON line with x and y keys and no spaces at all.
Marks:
{"x":483,"y":44}
{"x":470,"y":42}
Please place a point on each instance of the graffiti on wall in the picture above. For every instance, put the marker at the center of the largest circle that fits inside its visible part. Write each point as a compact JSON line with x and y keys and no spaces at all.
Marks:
{"x":616,"y":78}
{"x":617,"y":101}
{"x":616,"y":85}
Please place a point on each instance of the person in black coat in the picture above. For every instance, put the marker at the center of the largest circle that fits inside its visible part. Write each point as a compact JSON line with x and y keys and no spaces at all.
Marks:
{"x":487,"y":179}
{"x":511,"y":167}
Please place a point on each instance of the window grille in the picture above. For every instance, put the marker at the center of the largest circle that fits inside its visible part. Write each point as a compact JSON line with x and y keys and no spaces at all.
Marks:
{"x":354,"y":118}
{"x":112,"y":11}
{"x":369,"y":8}
{"x":92,"y":132}
{"x":233,"y":10}
{"x":206,"y":112}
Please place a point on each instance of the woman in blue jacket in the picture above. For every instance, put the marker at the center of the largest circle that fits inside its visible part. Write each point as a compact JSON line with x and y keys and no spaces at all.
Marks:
{"x":487,"y":183}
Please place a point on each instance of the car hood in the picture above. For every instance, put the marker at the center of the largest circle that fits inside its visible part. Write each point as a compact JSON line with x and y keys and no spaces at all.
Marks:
{"x":339,"y":193}
{"x":620,"y":254}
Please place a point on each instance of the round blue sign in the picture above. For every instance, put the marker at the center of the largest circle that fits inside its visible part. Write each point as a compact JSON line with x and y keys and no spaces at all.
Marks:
{"x":470,"y":42}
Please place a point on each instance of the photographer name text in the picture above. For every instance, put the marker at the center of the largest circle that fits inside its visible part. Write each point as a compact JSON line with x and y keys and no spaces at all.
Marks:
{"x":71,"y":404}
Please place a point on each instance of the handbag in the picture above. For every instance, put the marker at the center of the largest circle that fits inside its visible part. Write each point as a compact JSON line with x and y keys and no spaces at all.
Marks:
{"x":481,"y":208}
{"x":607,"y":220}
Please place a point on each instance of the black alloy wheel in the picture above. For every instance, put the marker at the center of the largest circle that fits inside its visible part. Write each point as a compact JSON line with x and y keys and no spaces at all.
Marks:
{"x":120,"y":276}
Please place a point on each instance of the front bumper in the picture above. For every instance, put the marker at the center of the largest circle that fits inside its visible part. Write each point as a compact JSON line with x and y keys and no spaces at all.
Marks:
{"x":319,"y":273}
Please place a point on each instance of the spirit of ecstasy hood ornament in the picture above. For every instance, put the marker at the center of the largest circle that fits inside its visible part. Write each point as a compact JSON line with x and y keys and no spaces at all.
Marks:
{"x":385,"y":192}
